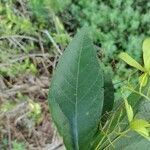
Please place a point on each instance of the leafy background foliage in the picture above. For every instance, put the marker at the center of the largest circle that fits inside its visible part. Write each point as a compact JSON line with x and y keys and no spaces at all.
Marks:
{"x":116,"y":26}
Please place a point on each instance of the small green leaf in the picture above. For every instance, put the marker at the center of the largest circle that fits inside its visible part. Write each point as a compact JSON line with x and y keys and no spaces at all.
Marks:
{"x":33,"y":68}
{"x":130,"y":61}
{"x":140,"y":126}
{"x":143,"y":79}
{"x":58,"y":24}
{"x":76,"y":94}
{"x":146,"y":53}
{"x":138,"y":123}
{"x":129,"y":111}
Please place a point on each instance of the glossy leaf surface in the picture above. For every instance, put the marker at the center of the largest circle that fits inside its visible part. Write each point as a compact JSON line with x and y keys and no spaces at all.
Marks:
{"x":76,"y":93}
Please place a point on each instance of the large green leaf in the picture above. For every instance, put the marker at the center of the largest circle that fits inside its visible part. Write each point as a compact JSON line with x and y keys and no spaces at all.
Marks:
{"x":76,"y":93}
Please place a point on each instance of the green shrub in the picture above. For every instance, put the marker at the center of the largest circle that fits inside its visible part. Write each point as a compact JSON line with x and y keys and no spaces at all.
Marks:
{"x":116,"y":24}
{"x":46,"y":8}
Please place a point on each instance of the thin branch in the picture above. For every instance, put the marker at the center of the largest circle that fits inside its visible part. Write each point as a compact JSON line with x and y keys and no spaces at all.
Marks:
{"x":18,"y":43}
{"x":53,"y":42}
{"x":20,"y":58}
{"x":18,"y":36}
{"x":9,"y":133}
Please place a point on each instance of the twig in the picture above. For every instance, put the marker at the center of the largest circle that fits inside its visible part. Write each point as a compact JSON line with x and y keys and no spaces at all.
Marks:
{"x":53,"y":42}
{"x":22,"y":57}
{"x":19,"y":110}
{"x":42,"y":49}
{"x":45,"y":68}
{"x":41,"y":45}
{"x":21,"y":88}
{"x":13,"y":91}
{"x":18,"y":36}
{"x":9,"y":133}
{"x":17,"y":43}
{"x":23,"y":7}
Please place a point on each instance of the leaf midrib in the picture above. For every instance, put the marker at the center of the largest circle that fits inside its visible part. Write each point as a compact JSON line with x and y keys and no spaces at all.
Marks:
{"x":76,"y":102}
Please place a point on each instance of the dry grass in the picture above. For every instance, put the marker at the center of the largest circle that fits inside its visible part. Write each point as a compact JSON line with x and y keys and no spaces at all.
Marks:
{"x":15,"y":123}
